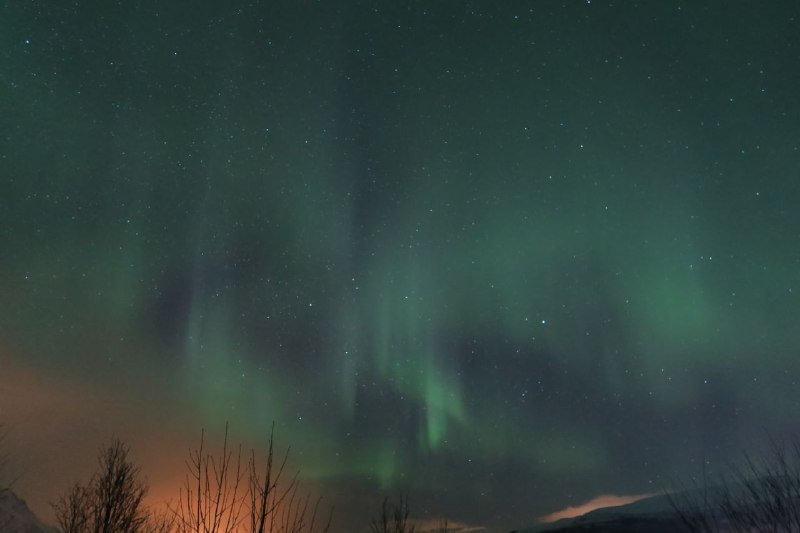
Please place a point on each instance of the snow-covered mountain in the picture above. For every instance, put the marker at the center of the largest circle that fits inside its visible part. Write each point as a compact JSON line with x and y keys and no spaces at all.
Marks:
{"x":16,"y":517}
{"x":649,"y":515}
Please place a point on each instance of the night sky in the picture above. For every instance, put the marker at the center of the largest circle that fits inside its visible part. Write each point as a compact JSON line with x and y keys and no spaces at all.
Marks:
{"x":503,"y":257}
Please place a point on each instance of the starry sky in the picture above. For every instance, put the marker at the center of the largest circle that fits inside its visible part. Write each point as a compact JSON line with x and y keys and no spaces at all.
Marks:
{"x":503,"y":257}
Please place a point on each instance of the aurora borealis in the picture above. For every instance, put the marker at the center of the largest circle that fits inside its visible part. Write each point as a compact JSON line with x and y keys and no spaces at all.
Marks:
{"x":503,"y":257}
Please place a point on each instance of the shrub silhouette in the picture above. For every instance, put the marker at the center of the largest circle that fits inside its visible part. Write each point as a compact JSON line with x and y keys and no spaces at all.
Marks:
{"x":393,"y":518}
{"x":760,"y":496}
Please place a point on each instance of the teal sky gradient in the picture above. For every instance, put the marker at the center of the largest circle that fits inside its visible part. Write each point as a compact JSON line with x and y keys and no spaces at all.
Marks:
{"x":502,"y":257}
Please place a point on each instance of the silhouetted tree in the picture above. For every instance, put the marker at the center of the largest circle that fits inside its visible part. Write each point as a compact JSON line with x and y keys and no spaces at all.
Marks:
{"x":443,"y":527}
{"x":211,"y":500}
{"x":112,"y":501}
{"x":160,"y":522}
{"x":393,"y":518}
{"x":218,"y":498}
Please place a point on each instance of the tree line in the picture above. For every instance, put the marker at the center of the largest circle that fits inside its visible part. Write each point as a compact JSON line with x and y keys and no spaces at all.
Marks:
{"x":224,"y":492}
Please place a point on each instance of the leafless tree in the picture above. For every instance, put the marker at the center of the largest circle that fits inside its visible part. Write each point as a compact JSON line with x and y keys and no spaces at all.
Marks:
{"x":112,"y":501}
{"x":444,"y":527}
{"x":210,"y":500}
{"x":160,"y":522}
{"x":393,"y":518}
{"x":219,"y":497}
{"x":73,"y":510}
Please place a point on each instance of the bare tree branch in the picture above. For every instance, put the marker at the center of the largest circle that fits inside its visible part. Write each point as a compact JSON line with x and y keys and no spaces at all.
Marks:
{"x":393,"y":518}
{"x":760,"y":496}
{"x":112,"y":502}
{"x":212,"y":499}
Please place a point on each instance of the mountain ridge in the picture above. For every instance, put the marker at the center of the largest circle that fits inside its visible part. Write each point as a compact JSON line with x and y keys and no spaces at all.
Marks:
{"x":648,"y":515}
{"x":16,"y":516}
